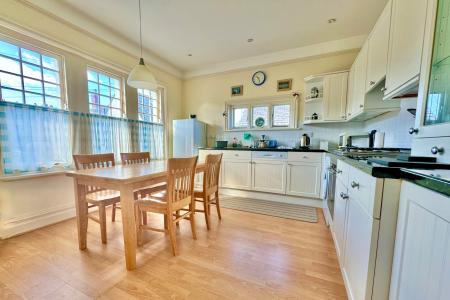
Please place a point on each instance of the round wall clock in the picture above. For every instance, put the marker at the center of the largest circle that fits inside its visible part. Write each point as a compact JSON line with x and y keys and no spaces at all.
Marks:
{"x":259,"y":78}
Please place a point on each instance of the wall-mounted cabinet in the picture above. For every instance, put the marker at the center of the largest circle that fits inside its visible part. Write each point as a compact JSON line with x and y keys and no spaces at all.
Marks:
{"x":326,"y":98}
{"x":406,"y":42}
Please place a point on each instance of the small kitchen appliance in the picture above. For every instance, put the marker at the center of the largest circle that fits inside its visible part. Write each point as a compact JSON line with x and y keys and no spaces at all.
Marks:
{"x":305,"y":141}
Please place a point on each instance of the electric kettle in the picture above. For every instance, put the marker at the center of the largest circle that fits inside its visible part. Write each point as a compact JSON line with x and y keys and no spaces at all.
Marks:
{"x":305,"y":141}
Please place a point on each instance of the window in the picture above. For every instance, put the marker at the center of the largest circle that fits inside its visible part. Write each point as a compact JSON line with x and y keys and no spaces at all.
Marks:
{"x":281,"y":115}
{"x":149,"y":106}
{"x":260,"y":116}
{"x":30,"y":76}
{"x":105,"y":94}
{"x":240,"y":117}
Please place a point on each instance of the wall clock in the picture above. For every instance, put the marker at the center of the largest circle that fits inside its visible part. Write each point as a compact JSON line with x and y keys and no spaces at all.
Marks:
{"x":259,"y":78}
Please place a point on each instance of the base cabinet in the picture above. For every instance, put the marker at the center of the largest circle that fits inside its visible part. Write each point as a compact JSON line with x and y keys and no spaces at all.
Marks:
{"x":236,"y":174}
{"x":339,"y":218}
{"x":269,"y":176}
{"x":304,"y":179}
{"x":421,"y":268}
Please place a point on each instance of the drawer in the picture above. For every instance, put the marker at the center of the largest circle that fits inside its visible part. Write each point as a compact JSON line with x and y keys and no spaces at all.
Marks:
{"x":422,"y":147}
{"x":236,"y":154}
{"x":342,"y":170}
{"x":305,"y":156}
{"x":202,"y":154}
{"x":271,"y":155}
{"x":366,"y":190}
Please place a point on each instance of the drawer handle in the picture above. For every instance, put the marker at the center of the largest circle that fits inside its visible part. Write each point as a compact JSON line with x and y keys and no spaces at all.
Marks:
{"x":338,"y":171}
{"x":343,"y":196}
{"x":304,"y":156}
{"x":435,"y":150}
{"x":236,"y":155}
{"x":372,"y":82}
{"x":354,"y":184}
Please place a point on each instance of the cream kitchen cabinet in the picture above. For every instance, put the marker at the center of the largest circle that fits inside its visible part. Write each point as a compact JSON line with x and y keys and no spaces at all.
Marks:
{"x":335,"y":96}
{"x":406,"y":41}
{"x":237,"y":169}
{"x":421,"y":268}
{"x":340,"y":218}
{"x":269,"y":172}
{"x":304,"y":174}
{"x":378,"y":49}
{"x":357,"y":89}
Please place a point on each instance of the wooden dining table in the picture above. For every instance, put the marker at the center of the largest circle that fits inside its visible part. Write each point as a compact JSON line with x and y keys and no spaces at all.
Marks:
{"x":126,"y":179}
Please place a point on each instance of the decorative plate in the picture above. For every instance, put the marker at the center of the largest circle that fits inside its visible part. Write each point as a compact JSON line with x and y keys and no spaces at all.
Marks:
{"x":259,"y":122}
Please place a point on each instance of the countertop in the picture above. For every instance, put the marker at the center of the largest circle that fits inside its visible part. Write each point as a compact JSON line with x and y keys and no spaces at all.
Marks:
{"x":265,"y":149}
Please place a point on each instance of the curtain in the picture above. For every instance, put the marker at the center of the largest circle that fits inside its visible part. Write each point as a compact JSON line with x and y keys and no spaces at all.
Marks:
{"x":34,"y":139}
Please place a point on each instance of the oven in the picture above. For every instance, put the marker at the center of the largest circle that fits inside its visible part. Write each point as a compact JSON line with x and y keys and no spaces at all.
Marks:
{"x":330,"y":185}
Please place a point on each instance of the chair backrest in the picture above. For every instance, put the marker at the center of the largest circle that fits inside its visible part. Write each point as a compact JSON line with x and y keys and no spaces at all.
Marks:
{"x":180,"y":181}
{"x":93,"y":161}
{"x":135,"y":158}
{"x":212,"y":173}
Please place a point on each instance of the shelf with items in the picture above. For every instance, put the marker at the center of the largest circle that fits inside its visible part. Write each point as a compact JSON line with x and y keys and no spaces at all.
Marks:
{"x":310,"y":99}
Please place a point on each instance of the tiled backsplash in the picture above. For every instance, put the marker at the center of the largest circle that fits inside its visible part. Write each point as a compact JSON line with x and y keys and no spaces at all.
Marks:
{"x":394,"y":124}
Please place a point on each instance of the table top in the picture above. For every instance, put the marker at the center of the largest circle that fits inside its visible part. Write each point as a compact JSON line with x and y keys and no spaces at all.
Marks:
{"x":127,"y":173}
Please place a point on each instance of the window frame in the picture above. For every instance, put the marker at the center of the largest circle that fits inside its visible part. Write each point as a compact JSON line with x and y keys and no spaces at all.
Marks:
{"x":42,"y":51}
{"x":268,"y":102}
{"x":160,"y":108}
{"x":121,"y":91}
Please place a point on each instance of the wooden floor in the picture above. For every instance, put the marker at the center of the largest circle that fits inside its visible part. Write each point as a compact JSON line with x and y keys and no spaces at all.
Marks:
{"x":245,"y":256}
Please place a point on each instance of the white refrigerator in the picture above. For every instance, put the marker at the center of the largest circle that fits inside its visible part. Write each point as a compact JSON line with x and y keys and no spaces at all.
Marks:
{"x":188,"y":136}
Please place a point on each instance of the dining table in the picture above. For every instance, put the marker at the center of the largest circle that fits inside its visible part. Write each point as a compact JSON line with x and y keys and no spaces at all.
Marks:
{"x":123,"y":178}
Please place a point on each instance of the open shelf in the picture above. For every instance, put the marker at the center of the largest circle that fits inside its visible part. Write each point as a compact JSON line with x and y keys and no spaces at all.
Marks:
{"x":309,"y":100}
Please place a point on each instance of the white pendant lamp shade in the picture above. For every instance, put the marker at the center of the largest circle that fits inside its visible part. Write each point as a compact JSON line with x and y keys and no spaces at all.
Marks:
{"x":141,"y":77}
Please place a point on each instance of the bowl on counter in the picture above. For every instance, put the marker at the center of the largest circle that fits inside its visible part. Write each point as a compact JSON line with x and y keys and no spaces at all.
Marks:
{"x":221,"y":144}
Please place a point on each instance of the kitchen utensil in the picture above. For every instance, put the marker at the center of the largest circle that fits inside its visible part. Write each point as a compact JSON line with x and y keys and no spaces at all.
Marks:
{"x":305,"y":141}
{"x":372,"y":139}
{"x":272,"y":143}
{"x":314,"y":116}
{"x":314,"y":92}
{"x":379,"y":140}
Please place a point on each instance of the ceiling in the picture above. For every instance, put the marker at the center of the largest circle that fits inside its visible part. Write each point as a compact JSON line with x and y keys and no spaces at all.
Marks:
{"x":216,"y":31}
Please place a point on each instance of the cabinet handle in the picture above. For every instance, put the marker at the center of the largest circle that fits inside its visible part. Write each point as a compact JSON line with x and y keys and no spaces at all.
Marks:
{"x":343,"y":196}
{"x":304,"y":156}
{"x":383,"y":89}
{"x":372,"y":82}
{"x":354,"y":184}
{"x":437,"y":150}
{"x":413,"y":130}
{"x":338,"y":171}
{"x":361,"y":106}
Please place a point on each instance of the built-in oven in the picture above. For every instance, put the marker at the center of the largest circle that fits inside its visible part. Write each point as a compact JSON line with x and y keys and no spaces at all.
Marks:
{"x":330,"y":185}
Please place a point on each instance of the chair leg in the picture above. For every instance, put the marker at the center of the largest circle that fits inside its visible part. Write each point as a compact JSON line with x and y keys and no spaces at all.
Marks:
{"x":171,"y":229}
{"x":102,"y":219}
{"x":166,"y":226}
{"x":207,"y":211}
{"x":192,"y":221}
{"x":218,"y":206}
{"x":113,"y":215}
{"x":138,"y":220}
{"x":177,"y":214}
{"x":144,"y":217}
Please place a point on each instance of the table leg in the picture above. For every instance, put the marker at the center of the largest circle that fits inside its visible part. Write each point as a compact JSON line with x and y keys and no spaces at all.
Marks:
{"x":129,"y":225}
{"x":82,"y":211}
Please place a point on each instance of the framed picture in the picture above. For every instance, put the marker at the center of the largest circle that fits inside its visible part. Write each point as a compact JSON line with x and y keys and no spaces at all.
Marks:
{"x":237,"y":90}
{"x":284,"y":85}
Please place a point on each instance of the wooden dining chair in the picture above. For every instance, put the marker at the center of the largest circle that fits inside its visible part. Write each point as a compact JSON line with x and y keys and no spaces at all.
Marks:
{"x":98,"y":197}
{"x":179,"y":194}
{"x":209,"y":192}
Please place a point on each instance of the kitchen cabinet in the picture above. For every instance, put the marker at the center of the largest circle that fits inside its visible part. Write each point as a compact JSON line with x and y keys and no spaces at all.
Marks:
{"x":378,"y":49}
{"x":406,"y":41}
{"x":237,"y":174}
{"x":335,"y":96}
{"x":358,"y":87}
{"x":339,"y":218}
{"x":304,"y":179}
{"x":421,"y":268}
{"x":269,"y":176}
{"x":433,"y":108}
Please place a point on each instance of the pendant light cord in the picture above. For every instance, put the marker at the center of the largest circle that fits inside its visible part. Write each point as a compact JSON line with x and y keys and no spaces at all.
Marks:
{"x":140,"y":27}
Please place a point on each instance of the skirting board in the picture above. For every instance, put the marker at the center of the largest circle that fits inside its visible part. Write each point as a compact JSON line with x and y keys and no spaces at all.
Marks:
{"x":22,"y":224}
{"x":272,"y":197}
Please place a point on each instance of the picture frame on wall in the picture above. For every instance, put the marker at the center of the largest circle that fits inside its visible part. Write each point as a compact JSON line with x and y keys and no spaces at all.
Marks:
{"x":284,"y":85}
{"x":237,"y":90}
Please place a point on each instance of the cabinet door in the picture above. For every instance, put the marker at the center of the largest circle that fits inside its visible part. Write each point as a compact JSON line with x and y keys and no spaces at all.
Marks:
{"x":378,"y":49}
{"x":360,"y":250}
{"x":350,"y":91}
{"x":339,"y":219}
{"x":335,"y":96}
{"x":405,"y":44}
{"x":421,"y":268}
{"x":236,"y":174}
{"x":304,"y":179}
{"x":269,"y":176}
{"x":360,"y":80}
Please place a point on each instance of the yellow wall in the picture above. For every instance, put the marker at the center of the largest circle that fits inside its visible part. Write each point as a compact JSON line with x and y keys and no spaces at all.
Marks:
{"x":206,"y":96}
{"x":16,"y":12}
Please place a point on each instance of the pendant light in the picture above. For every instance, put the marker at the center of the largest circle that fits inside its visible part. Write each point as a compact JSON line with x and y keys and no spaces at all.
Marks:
{"x":141,"y":77}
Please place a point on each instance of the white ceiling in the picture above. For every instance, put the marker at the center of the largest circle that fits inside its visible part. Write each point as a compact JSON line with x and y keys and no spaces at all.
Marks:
{"x":216,"y":31}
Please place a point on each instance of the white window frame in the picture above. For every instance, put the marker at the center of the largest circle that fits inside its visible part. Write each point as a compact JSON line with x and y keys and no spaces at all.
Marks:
{"x":122,"y":90}
{"x":160,"y":106}
{"x":42,"y":51}
{"x":269,"y":102}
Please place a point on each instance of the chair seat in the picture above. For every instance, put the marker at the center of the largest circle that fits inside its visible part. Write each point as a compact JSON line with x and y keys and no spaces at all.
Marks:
{"x":108,"y":196}
{"x":151,"y":190}
{"x":151,"y":204}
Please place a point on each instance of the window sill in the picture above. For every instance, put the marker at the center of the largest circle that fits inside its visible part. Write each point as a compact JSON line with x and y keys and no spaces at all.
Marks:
{"x":18,"y":177}
{"x":263,"y":129}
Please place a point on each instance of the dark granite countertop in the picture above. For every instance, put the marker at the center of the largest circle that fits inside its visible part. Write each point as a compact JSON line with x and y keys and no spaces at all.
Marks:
{"x":436,"y":180}
{"x":265,"y":149}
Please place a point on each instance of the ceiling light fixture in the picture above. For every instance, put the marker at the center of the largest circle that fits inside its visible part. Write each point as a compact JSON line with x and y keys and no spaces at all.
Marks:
{"x":250,"y":40}
{"x":141,"y":77}
{"x":331,"y":21}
